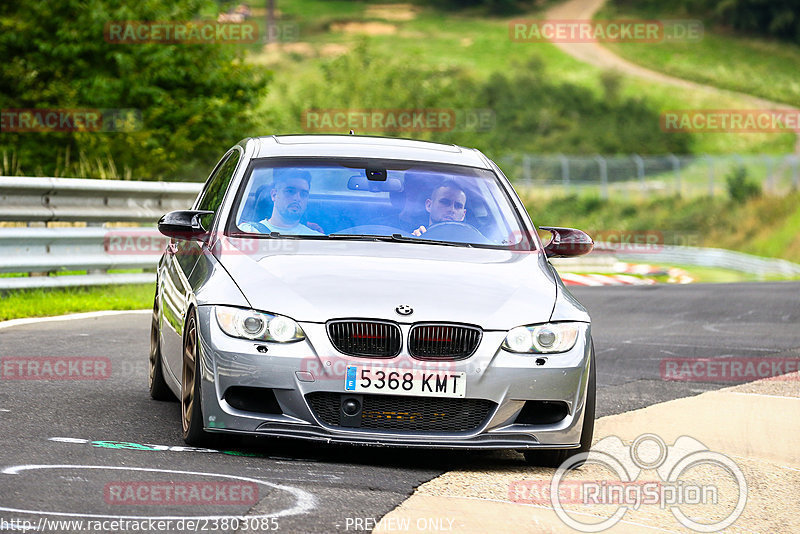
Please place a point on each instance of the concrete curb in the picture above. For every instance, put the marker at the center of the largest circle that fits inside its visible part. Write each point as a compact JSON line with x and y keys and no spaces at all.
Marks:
{"x":754,"y":424}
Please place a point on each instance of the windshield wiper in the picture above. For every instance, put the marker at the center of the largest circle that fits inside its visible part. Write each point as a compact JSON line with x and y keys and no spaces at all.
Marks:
{"x":279,"y":235}
{"x":398,"y":237}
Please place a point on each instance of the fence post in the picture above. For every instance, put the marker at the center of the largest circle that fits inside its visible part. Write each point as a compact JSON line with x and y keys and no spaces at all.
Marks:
{"x":601,"y":163}
{"x":526,"y":170}
{"x":564,"y":170}
{"x":770,"y":181}
{"x":676,"y":169}
{"x":38,"y":224}
{"x":93,"y":224}
{"x":640,"y":171}
{"x":710,"y":176}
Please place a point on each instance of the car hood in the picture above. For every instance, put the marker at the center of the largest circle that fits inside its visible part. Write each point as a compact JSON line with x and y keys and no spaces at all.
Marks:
{"x":314,"y":281}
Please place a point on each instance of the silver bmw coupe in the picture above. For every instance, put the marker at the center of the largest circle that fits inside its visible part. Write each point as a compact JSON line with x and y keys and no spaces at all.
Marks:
{"x":370,"y":290}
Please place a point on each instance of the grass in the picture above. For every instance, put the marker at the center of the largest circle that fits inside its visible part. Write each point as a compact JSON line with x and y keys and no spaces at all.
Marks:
{"x":48,"y":302}
{"x":713,"y":275}
{"x":481,"y":44}
{"x":698,"y":274}
{"x":764,"y":226}
{"x":761,"y":67}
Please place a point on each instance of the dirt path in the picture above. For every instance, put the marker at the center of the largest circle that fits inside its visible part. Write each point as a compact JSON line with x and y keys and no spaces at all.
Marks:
{"x":595,"y":54}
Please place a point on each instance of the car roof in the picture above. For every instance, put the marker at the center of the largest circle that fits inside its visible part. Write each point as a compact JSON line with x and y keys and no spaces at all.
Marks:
{"x":362,"y":146}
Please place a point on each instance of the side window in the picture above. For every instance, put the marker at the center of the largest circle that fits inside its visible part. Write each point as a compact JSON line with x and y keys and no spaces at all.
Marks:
{"x":217,"y":185}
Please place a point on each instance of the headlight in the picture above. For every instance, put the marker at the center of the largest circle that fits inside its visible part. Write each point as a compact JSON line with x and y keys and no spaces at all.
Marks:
{"x":543,"y":339}
{"x":258,"y":326}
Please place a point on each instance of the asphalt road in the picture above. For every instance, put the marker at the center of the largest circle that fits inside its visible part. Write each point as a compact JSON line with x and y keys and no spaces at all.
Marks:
{"x":109,"y":429}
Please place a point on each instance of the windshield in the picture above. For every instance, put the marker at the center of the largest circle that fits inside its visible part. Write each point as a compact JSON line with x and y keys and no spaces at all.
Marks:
{"x":373,"y":199}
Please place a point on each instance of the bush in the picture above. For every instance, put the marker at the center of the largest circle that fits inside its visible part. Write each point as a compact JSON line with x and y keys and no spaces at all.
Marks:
{"x":740,"y":187}
{"x":771,"y":18}
{"x":532,"y":113}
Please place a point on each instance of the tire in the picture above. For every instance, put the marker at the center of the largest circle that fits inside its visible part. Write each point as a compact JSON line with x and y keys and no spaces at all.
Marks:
{"x":191,"y":396}
{"x":159,"y":390}
{"x":555,"y":457}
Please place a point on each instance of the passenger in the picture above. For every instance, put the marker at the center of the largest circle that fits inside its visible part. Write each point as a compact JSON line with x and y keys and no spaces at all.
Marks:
{"x":289,"y":196}
{"x":410,"y":203}
{"x":448,"y":203}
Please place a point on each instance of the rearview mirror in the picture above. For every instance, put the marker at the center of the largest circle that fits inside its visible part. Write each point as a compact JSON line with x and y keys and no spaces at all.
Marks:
{"x":361,"y":183}
{"x":183,"y":224}
{"x":567,"y":242}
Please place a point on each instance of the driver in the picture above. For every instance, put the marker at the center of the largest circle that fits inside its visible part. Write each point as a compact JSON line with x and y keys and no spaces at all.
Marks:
{"x":290,"y":199}
{"x":448,"y":203}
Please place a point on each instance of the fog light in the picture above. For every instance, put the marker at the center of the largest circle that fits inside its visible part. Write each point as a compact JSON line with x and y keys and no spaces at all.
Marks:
{"x":351,"y":407}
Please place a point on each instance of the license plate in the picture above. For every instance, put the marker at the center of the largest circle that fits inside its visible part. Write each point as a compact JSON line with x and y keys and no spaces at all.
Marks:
{"x":363,"y":379}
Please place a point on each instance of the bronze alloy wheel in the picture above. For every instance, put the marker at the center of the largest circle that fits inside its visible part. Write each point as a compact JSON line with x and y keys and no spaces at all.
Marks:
{"x":188,"y":381}
{"x":191,"y":403}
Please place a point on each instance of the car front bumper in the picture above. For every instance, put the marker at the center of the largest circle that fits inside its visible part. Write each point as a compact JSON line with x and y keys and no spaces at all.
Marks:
{"x":295,"y":370}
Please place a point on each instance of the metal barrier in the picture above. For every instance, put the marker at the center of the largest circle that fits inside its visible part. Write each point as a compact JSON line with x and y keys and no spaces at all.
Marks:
{"x":39,"y":251}
{"x":30,"y":199}
{"x":715,"y":257}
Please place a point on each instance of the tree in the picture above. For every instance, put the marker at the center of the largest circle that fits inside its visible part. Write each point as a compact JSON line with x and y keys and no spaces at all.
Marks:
{"x":194,"y":99}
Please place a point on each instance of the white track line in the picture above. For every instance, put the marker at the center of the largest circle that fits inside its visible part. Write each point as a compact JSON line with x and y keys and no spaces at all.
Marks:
{"x":305,"y":501}
{"x":70,"y":317}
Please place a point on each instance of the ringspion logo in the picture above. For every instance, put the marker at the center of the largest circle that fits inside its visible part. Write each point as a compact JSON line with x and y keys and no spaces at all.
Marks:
{"x":707,"y":503}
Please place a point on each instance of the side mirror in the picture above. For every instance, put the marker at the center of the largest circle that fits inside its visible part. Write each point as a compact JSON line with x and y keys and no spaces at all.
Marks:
{"x":183,"y":224}
{"x":567,"y":242}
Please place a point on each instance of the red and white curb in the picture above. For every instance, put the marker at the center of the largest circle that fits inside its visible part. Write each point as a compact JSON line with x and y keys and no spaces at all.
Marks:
{"x":573,"y":279}
{"x":676,"y":276}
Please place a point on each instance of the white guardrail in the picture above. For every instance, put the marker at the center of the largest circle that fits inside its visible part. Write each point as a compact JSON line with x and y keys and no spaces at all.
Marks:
{"x":714,"y":257}
{"x":36,"y":252}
